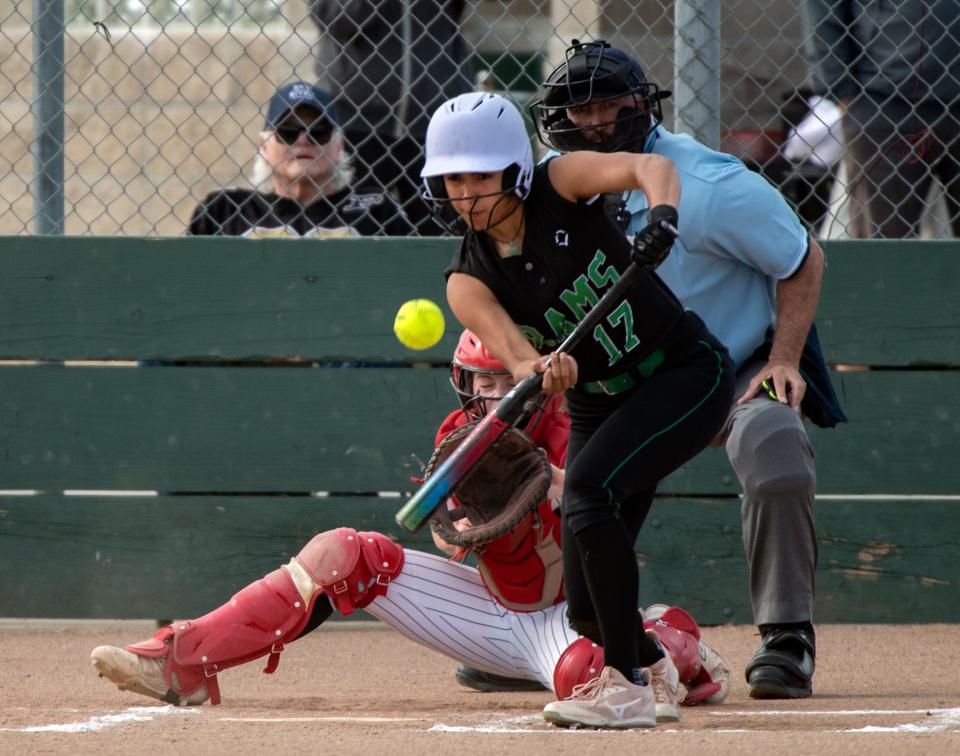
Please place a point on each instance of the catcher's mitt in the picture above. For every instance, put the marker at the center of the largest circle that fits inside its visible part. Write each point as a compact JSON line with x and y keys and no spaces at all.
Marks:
{"x":509,"y":481}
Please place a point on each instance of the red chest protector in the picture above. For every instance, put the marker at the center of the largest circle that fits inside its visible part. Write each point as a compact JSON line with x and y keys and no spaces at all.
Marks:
{"x":523,"y":569}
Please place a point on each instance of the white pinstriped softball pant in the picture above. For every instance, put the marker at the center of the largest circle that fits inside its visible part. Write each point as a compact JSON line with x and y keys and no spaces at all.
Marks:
{"x":445,"y":606}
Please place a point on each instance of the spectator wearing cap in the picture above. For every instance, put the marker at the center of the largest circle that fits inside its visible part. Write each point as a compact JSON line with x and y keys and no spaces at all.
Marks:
{"x":303,"y":161}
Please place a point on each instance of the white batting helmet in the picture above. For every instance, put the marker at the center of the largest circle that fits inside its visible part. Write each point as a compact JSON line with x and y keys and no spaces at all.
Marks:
{"x":477,"y":132}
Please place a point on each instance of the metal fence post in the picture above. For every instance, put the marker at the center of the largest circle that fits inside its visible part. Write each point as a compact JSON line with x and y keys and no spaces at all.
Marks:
{"x":47,"y":111}
{"x":696,"y":66}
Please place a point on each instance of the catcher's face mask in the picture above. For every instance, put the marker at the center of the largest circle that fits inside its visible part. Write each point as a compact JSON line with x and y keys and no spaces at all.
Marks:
{"x":481,"y":380}
{"x":490,"y":388}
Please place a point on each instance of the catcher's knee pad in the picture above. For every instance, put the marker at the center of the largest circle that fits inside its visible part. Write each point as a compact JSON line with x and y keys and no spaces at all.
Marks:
{"x":351,"y":568}
{"x":679,"y":635}
{"x":771,"y":453}
{"x":580,"y":662}
{"x":702,"y":672}
{"x":256,"y":621}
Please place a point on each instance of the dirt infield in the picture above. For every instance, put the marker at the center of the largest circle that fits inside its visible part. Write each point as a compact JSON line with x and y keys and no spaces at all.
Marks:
{"x":358,"y":688}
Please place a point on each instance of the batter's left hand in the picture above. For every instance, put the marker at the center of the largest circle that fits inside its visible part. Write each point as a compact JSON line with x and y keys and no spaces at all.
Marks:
{"x":784,"y":378}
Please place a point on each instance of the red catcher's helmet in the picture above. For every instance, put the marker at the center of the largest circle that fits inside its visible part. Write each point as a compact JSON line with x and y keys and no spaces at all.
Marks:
{"x":471,"y":358}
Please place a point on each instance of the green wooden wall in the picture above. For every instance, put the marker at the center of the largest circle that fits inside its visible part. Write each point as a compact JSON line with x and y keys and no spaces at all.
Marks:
{"x":226,"y":392}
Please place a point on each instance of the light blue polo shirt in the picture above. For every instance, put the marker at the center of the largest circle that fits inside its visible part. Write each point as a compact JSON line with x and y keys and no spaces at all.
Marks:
{"x":738,"y":238}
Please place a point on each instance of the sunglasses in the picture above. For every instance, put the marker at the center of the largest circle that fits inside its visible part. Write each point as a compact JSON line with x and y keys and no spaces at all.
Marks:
{"x":318,"y":132}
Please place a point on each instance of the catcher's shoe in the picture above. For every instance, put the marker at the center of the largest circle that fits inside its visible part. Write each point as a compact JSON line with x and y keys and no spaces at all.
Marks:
{"x":665,"y":681}
{"x":141,"y":674}
{"x":783,"y":665}
{"x":607,"y":701}
{"x":487,"y":682}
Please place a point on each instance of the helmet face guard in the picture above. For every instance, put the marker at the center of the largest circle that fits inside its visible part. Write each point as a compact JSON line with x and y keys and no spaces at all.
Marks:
{"x":472,"y":358}
{"x":597,"y":72}
{"x":434,"y":193}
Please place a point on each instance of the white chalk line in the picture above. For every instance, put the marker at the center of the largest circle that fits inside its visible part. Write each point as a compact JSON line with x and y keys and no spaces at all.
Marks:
{"x":512,"y":725}
{"x":102,"y":722}
{"x":828,"y":713}
{"x":532,"y":725}
{"x":939,"y":720}
{"x":359,"y":720}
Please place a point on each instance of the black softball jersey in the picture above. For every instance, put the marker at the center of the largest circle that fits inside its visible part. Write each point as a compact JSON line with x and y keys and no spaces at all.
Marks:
{"x":571,"y":253}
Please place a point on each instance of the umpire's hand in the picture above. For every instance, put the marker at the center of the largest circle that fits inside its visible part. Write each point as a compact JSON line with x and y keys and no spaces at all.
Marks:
{"x":653,"y":242}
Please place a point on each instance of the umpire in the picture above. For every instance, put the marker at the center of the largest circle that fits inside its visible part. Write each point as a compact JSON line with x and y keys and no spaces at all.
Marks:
{"x":744,"y":263}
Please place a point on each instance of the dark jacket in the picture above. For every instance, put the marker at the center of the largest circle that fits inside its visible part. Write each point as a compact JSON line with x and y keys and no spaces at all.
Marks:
{"x":820,"y":402}
{"x":390,"y":63}
{"x":908,"y":49}
{"x":247,"y":212}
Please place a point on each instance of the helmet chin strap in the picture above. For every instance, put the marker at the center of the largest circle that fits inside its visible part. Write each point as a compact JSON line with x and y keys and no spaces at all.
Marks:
{"x":505,"y":194}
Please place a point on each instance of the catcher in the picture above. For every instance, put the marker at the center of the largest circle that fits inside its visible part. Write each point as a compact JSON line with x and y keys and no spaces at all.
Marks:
{"x":505,"y":621}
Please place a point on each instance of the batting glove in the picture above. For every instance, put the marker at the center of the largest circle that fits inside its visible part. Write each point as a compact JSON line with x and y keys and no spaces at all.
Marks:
{"x":652,"y":243}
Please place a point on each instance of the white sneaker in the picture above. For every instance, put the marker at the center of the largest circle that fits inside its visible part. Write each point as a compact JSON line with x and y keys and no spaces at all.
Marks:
{"x":719,"y":673}
{"x":665,"y":681}
{"x":609,"y":700}
{"x":141,"y":674}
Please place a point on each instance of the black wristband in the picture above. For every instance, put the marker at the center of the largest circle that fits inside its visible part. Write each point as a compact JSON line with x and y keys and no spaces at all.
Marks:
{"x":666,"y":213}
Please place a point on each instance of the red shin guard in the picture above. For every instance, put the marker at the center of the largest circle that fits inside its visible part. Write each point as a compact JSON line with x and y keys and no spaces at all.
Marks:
{"x":256,"y":621}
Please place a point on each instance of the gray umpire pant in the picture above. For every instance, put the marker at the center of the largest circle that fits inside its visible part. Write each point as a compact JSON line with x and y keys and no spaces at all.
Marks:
{"x":771,"y":454}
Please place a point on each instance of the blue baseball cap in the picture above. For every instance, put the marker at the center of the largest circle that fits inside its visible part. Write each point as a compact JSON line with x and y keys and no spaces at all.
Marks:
{"x":297,"y":94}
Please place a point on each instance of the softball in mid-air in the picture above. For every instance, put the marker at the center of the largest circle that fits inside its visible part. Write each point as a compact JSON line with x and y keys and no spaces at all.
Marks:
{"x":419,"y":324}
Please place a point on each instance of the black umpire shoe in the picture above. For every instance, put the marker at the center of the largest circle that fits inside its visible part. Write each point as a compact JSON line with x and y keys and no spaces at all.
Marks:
{"x":487,"y":682}
{"x":783,"y":665}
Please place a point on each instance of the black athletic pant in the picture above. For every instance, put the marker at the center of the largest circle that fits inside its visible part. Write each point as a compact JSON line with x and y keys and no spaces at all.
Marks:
{"x":620,"y":447}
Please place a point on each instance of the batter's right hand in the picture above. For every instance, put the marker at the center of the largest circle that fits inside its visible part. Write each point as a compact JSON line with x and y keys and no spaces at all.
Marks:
{"x":560,"y":374}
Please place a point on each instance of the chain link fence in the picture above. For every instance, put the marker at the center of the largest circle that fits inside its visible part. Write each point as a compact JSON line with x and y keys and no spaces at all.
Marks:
{"x":118,"y":118}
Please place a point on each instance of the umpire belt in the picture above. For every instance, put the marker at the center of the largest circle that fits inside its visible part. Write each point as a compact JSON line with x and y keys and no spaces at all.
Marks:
{"x":628,"y":378}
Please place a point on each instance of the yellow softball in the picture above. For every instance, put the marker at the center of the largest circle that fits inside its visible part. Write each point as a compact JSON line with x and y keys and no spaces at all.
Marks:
{"x":419,"y":324}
